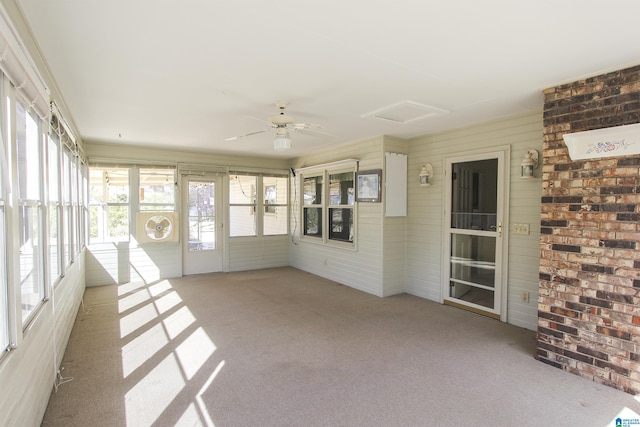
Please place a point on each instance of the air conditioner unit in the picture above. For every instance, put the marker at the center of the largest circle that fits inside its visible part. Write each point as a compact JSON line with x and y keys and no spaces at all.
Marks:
{"x":156,"y":227}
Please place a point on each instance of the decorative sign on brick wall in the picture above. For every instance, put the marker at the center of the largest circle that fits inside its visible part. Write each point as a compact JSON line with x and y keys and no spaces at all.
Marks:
{"x":607,"y":142}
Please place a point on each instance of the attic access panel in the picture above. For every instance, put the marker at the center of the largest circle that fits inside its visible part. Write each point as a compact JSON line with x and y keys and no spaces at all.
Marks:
{"x":405,"y":112}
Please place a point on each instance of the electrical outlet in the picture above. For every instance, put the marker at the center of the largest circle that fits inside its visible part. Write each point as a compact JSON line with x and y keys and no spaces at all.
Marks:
{"x":524,"y":297}
{"x":521,"y":229}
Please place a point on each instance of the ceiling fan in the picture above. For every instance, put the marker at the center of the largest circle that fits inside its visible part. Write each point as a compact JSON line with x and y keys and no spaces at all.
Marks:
{"x":282,"y":123}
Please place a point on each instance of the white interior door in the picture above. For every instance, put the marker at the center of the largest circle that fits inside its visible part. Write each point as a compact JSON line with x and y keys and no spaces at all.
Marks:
{"x":202,"y":225}
{"x":474,"y":235}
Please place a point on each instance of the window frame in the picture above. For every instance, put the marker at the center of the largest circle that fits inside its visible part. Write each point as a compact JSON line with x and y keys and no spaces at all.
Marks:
{"x":325,"y":206}
{"x":156,"y":206}
{"x":55,"y":265}
{"x":5,"y":180}
{"x":265,"y":207}
{"x":258,"y":206}
{"x":37,"y":204}
{"x":133,"y":204}
{"x":30,"y":189}
{"x":103,"y":206}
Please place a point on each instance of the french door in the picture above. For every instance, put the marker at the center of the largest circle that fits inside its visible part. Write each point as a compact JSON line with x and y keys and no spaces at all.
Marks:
{"x":202,"y":250}
{"x":474,"y":232}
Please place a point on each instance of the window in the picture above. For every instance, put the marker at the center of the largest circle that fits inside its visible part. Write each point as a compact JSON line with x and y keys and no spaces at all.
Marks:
{"x":276,"y":190}
{"x":341,"y":202}
{"x":75,"y":204}
{"x":28,"y":150}
{"x":36,"y":195}
{"x":66,"y":203}
{"x":242,"y":205}
{"x":4,"y":180}
{"x":328,"y":205}
{"x":312,"y":206}
{"x":84,"y":211}
{"x":157,"y":189}
{"x":55,"y":261}
{"x":108,"y":204}
{"x":272,"y":205}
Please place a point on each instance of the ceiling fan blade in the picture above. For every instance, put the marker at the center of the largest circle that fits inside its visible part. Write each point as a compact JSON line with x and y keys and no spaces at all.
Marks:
{"x":233,"y":138}
{"x":315,"y":133}
{"x":259,"y":119}
{"x":305,"y":126}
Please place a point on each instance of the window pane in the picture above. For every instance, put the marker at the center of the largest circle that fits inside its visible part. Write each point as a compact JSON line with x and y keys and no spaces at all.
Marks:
{"x":242,"y":190}
{"x":242,"y":221}
{"x":242,"y":218}
{"x":30,"y":277}
{"x":117,"y":222}
{"x":4,"y":302}
{"x":54,"y":168}
{"x":157,"y":189}
{"x":4,"y":307}
{"x":312,"y":189}
{"x":109,"y":204}
{"x":66,"y":206}
{"x":275,"y":190}
{"x":83,"y":204}
{"x":313,"y":222}
{"x":275,"y":219}
{"x":28,"y":150}
{"x":341,"y":224}
{"x":74,"y":203}
{"x":31,"y":252}
{"x":54,"y":207}
{"x":54,"y":258}
{"x":341,"y":190}
{"x":275,"y":222}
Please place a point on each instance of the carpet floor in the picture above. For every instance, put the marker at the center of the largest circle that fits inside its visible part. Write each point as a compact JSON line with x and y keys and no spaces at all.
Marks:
{"x":281,"y":347}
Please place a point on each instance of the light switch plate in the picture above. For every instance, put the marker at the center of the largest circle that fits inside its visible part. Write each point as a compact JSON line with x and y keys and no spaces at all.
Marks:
{"x":521,"y":229}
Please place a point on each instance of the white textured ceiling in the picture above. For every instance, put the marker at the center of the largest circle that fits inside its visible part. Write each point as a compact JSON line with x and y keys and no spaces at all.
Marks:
{"x":188,"y":74}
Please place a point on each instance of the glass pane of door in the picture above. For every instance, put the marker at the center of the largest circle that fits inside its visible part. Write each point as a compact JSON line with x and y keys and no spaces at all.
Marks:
{"x":202,"y":216}
{"x":473,"y":266}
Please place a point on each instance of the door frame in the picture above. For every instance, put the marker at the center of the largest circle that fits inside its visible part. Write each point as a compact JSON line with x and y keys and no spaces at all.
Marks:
{"x":205,"y":173}
{"x":503,"y":154}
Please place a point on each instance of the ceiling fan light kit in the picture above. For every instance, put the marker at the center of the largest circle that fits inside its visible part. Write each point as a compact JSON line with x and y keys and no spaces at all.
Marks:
{"x":282,"y":123}
{"x":282,"y":141}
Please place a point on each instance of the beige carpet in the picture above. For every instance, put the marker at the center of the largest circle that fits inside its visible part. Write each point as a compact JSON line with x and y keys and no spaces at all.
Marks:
{"x":281,"y":347}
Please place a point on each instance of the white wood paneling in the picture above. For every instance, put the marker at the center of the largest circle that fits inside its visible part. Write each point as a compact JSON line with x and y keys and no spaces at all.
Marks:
{"x":359,"y":267}
{"x":112,"y":263}
{"x":395,"y":229}
{"x":250,"y":253}
{"x":425,"y":214}
{"x":27,"y":373}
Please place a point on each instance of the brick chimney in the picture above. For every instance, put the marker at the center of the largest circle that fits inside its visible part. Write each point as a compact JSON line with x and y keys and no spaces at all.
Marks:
{"x":589,"y":304}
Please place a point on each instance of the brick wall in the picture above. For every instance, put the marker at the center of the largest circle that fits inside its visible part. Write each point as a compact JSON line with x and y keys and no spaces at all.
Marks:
{"x":589,"y":304}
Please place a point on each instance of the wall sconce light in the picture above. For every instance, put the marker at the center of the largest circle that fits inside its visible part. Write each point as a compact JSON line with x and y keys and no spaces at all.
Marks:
{"x":425,"y":173}
{"x":529,"y":163}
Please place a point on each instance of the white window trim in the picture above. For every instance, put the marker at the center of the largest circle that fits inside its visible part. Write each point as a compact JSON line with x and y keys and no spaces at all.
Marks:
{"x":325,"y":170}
{"x":259,"y":203}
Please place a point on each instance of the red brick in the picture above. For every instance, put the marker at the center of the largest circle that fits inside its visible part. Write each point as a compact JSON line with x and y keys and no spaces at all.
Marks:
{"x":590,"y":291}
